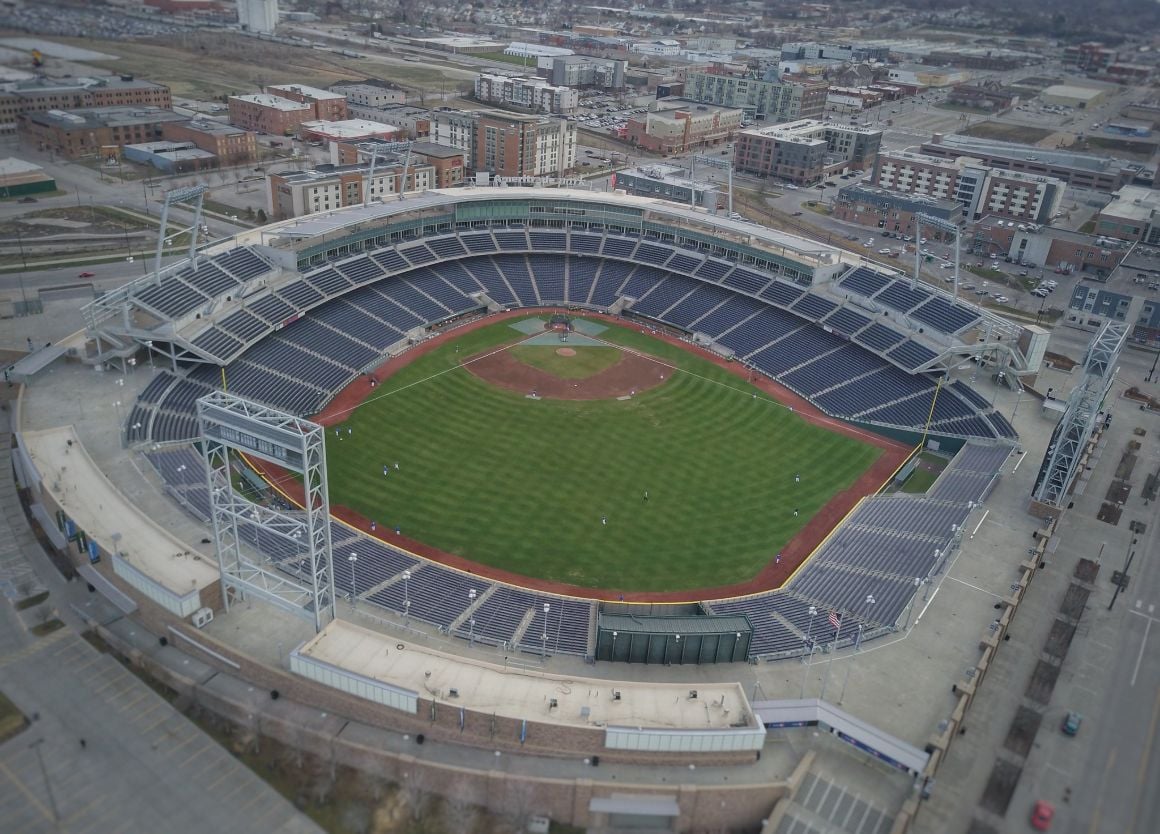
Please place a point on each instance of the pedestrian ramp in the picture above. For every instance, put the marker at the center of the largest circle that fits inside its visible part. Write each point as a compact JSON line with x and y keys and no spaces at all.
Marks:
{"x":823,"y":807}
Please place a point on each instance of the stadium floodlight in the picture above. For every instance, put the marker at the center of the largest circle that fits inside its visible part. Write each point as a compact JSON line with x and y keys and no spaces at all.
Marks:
{"x":353,"y":559}
{"x":406,"y":593}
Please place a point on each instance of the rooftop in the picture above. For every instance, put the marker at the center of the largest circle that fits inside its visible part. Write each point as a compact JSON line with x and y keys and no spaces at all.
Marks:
{"x":275,"y":102}
{"x":105,"y":117}
{"x":44,"y":84}
{"x":309,"y":92}
{"x":215,"y":128}
{"x":519,"y":693}
{"x":970,"y":145}
{"x":1072,"y":91}
{"x":1133,"y":202}
{"x":804,"y":129}
{"x":873,"y":192}
{"x":11,"y":165}
{"x":98,"y":508}
{"x":348,"y":128}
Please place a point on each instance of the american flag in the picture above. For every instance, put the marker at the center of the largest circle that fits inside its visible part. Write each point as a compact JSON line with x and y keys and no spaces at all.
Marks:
{"x":835,"y":619}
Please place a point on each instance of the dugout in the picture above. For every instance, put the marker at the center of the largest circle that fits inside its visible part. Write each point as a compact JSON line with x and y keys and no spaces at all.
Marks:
{"x":629,"y":638}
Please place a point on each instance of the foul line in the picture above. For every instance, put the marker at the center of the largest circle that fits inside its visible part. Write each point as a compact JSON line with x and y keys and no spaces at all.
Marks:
{"x":1140,"y":656}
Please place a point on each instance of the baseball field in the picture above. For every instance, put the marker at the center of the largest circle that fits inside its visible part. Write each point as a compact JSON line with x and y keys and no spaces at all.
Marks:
{"x":609,"y":460}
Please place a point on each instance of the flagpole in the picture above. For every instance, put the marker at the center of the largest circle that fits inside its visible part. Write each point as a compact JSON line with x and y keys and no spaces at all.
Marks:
{"x":857,"y":648}
{"x":830,"y":662}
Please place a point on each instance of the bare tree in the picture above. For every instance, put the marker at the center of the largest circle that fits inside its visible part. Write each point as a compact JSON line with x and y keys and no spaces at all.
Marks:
{"x":414,"y":787}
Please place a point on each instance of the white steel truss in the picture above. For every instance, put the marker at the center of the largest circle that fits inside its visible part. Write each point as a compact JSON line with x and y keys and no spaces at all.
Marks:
{"x":306,"y":587}
{"x":1081,"y":416}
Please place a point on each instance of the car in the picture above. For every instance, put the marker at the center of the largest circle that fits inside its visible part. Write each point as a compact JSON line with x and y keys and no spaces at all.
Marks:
{"x":1071,"y":723}
{"x":1002,"y":299}
{"x":923,"y":241}
{"x":86,"y":275}
{"x":947,"y":265}
{"x":27,"y":200}
{"x":851,"y":237}
{"x":1039,"y":293}
{"x":883,"y":251}
{"x":1052,"y":284}
{"x":1042,"y":814}
{"x":981,"y":292}
{"x":1023,"y":273}
{"x":995,"y":266}
{"x":791,"y":186}
{"x":796,"y":214}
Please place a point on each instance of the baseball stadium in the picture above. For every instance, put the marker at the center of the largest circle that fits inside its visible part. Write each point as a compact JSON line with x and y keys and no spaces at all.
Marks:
{"x":466,"y":455}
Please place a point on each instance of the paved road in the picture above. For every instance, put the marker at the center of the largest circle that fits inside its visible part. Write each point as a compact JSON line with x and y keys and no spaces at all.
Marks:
{"x":143,"y":767}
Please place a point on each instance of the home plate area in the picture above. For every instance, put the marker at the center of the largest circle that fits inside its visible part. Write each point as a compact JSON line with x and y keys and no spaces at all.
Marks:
{"x":546,"y":366}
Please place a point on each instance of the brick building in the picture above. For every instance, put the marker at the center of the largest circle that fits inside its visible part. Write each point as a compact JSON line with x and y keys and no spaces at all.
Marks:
{"x":510,"y":145}
{"x":448,"y":164}
{"x":348,"y":130}
{"x":803,"y":152}
{"x":231,"y":145}
{"x":99,"y":131}
{"x":877,"y":208}
{"x":324,"y":104}
{"x":37,"y":95}
{"x":264,"y":113}
{"x":675,"y":125}
{"x":980,"y":189}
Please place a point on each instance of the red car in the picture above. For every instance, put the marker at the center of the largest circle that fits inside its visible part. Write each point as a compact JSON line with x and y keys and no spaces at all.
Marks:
{"x":86,"y":275}
{"x":1041,"y":815}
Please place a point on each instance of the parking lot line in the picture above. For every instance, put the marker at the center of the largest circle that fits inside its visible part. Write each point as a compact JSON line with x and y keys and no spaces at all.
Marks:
{"x":20,"y":786}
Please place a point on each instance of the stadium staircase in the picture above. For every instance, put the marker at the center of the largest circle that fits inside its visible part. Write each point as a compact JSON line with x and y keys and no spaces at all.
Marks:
{"x":470,"y":610}
{"x":522,"y":628}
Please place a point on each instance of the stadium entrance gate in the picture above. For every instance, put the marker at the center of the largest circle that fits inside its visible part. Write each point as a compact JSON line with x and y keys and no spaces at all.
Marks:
{"x":627,"y":638}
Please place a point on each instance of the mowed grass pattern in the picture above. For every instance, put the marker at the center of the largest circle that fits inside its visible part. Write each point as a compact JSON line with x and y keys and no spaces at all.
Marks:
{"x":520,"y":484}
{"x":588,"y":361}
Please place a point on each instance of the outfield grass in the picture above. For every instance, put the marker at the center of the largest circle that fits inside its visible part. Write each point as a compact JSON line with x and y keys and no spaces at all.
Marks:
{"x":587,"y":362}
{"x":520,"y":484}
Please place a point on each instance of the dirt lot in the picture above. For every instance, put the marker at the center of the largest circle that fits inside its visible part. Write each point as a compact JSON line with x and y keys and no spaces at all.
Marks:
{"x":207,"y":65}
{"x":1008,"y":133}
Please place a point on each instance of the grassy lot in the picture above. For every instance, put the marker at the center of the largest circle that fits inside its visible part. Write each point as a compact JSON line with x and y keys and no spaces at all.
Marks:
{"x":32,"y":601}
{"x":1008,"y":133}
{"x":587,"y":362}
{"x":209,"y":64}
{"x":12,"y":720}
{"x":927,"y":472}
{"x":495,"y":477}
{"x":47,"y":627}
{"x":518,"y":60}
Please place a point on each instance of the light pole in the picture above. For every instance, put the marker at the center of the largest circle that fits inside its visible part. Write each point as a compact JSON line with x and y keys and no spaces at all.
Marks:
{"x":913,"y":599}
{"x":544,"y":647}
{"x":471,"y":622}
{"x":35,"y":747}
{"x":614,"y":645}
{"x":810,"y":628}
{"x":406,"y":595}
{"x":846,"y":677}
{"x":353,"y":559}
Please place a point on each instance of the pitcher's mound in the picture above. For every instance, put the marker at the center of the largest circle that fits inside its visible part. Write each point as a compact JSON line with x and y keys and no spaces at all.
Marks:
{"x":565,"y":352}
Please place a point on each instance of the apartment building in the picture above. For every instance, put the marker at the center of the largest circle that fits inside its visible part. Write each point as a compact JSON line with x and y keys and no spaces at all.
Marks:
{"x":980,"y":189}
{"x":412,"y":122}
{"x":510,"y":145}
{"x":676,"y":125}
{"x":585,"y":71}
{"x":533,"y":94}
{"x":449,"y":164}
{"x":324,"y":104}
{"x":805,"y":151}
{"x":762,"y":99}
{"x":292,"y":194}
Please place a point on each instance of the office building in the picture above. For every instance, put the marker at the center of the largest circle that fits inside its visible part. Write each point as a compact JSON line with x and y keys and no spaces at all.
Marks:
{"x":1080,"y":170}
{"x":877,"y":208}
{"x":675,"y":125}
{"x":263,"y":113}
{"x":805,"y":151}
{"x":323,"y":104}
{"x":370,"y":93}
{"x":36,"y":95}
{"x":229,"y":145}
{"x":100,"y":131}
{"x":1133,"y":214}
